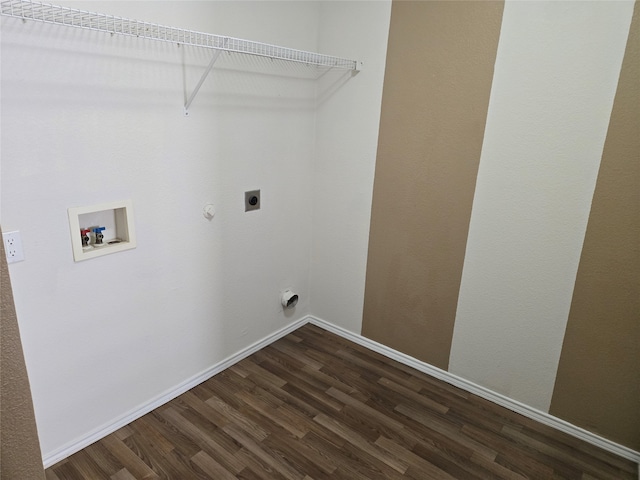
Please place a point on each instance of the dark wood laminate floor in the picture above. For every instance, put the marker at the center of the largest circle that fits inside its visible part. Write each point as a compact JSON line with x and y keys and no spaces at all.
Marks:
{"x":315,"y":406}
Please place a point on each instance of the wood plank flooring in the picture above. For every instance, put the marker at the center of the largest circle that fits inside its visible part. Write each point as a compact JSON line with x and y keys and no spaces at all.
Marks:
{"x":315,"y":406}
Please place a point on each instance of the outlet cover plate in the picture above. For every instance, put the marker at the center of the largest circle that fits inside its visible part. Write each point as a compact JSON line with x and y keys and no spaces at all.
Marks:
{"x":13,"y":246}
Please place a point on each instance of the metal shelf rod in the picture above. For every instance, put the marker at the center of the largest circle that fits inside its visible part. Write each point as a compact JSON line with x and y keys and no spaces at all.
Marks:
{"x":216,"y":54}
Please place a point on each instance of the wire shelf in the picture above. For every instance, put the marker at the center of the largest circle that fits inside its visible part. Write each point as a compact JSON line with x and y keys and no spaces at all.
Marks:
{"x":47,"y":13}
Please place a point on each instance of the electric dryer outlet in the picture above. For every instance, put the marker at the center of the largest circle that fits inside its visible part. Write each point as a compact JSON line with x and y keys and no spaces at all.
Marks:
{"x":252,"y":200}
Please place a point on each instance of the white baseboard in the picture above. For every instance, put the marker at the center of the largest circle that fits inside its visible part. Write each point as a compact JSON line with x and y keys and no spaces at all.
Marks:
{"x":75,"y":446}
{"x":481,"y":391}
{"x":542,"y":417}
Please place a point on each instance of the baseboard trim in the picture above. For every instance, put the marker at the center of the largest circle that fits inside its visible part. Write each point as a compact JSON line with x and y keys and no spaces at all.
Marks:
{"x":518,"y":407}
{"x":499,"y":399}
{"x":104,"y":430}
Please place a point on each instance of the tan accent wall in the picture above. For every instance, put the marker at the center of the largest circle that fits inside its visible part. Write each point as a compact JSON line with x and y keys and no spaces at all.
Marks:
{"x":598,"y":382}
{"x":438,"y":77}
{"x":20,"y":450}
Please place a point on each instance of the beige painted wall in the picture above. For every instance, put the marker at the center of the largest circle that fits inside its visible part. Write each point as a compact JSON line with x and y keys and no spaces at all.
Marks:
{"x":472,"y":263}
{"x":19,"y":446}
{"x":439,"y":68}
{"x":598,"y":382}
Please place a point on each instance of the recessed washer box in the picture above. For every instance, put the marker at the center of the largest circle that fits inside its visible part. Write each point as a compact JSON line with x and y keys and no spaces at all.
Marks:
{"x":119,"y":233}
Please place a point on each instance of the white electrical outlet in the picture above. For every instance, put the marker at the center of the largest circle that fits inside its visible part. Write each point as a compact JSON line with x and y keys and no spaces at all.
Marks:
{"x":13,"y":246}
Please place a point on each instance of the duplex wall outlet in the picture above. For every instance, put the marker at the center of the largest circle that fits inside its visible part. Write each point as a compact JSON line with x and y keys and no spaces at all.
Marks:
{"x":252,"y":200}
{"x":13,"y":246}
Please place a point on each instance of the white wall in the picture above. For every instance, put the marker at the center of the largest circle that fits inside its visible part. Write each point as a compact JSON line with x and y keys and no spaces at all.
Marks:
{"x":90,"y":118}
{"x":556,"y":74}
{"x":347,"y":141}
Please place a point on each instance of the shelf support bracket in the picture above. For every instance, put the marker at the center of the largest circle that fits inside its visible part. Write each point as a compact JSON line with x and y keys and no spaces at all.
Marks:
{"x":216,"y":54}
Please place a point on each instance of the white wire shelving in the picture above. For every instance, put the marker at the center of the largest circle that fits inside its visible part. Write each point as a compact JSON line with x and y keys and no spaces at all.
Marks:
{"x":55,"y":14}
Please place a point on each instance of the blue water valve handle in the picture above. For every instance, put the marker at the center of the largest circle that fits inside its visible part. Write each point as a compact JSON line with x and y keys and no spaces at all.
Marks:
{"x":99,"y":235}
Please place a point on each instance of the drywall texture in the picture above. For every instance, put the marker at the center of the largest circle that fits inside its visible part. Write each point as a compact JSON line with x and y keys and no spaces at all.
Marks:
{"x":598,"y":381}
{"x":555,"y":79}
{"x":346,"y":137}
{"x":20,"y":456}
{"x":492,"y":305}
{"x":105,"y":123}
{"x":440,"y":62}
{"x":109,"y":335}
